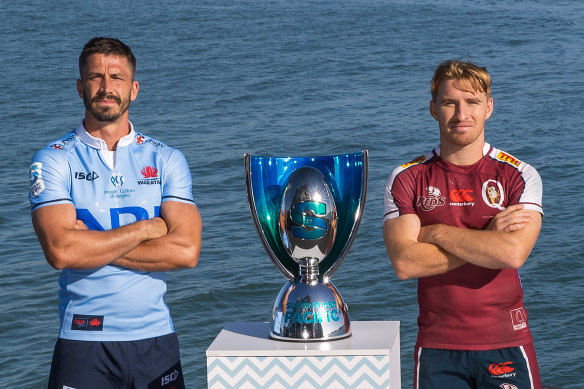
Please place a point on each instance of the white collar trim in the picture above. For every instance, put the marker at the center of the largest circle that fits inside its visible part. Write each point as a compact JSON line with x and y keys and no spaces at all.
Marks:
{"x":98,"y":143}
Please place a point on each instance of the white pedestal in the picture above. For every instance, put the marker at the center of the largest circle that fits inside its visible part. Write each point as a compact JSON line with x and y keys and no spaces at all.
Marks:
{"x":243,"y":356}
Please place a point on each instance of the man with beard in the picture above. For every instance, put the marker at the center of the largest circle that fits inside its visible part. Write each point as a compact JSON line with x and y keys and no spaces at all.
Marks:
{"x":462,"y":219}
{"x":113,"y":210}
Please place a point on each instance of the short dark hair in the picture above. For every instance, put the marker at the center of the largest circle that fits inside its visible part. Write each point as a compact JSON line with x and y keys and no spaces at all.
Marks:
{"x":107,"y":46}
{"x":473,"y":77}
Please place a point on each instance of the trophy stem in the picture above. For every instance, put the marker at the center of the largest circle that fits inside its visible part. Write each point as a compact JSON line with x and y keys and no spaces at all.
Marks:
{"x":309,"y":271}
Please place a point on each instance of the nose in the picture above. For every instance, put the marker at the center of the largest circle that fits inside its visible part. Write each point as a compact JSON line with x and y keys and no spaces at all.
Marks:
{"x":105,"y":84}
{"x":461,"y":111}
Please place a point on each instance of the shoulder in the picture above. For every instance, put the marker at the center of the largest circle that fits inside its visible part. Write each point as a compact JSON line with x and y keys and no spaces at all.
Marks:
{"x":148,"y":143}
{"x":143,"y":140}
{"x":411,"y":167}
{"x":508,"y":162}
{"x":58,"y":149}
{"x":65,"y":143}
{"x":172,"y":157}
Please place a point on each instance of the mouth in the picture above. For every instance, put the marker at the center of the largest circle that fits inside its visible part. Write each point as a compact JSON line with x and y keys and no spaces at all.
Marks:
{"x":106,"y":100}
{"x":461,"y":127}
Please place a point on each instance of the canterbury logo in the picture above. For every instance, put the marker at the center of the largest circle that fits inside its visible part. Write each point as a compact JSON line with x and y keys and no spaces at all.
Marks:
{"x":500,"y":368}
{"x":461,"y":195}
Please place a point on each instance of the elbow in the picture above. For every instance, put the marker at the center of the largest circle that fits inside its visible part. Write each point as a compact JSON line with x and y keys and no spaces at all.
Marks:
{"x":401,"y":270}
{"x":58,"y":261}
{"x":515,"y":261}
{"x":402,"y":275}
{"x":191,"y":257}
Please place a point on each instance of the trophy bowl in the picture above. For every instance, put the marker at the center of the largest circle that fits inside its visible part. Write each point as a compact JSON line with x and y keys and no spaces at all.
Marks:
{"x":307,"y":212}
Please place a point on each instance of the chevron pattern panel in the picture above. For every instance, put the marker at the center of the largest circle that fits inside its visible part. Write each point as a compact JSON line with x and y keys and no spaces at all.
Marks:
{"x":331,"y":372}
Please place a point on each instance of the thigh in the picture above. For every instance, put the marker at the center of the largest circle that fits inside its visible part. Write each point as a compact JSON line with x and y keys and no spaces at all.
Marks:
{"x":509,"y":368}
{"x":86,"y":365}
{"x":155,"y":363}
{"x":438,"y":369}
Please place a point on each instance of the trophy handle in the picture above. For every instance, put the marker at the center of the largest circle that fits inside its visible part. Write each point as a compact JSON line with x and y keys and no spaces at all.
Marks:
{"x":252,"y":207}
{"x":358,"y":215}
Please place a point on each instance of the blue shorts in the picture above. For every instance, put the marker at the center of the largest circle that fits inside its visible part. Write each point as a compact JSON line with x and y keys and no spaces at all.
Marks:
{"x":508,"y":368}
{"x":148,"y":363}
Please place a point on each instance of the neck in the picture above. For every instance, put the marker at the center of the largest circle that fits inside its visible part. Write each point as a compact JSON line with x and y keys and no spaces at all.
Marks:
{"x":110,"y":132}
{"x":462,"y":155}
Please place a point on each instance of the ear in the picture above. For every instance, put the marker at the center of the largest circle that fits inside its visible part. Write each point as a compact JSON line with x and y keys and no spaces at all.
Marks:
{"x":433,"y":110}
{"x":80,"y":88}
{"x":489,"y":108}
{"x":135,"y":89}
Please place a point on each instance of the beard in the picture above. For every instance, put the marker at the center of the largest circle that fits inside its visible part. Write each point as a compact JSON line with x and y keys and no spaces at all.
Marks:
{"x":106,"y":114}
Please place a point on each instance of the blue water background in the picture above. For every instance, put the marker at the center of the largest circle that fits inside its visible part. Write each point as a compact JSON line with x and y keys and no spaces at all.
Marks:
{"x":221,"y":78}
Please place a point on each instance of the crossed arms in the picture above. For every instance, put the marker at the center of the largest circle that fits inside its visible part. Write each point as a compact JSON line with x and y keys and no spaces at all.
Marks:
{"x":171,"y":241}
{"x":417,"y":251}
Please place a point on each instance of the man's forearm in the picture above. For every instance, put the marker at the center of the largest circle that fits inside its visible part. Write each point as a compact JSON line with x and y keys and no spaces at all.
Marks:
{"x":161,"y":254}
{"x":69,"y":244}
{"x":178,"y":249}
{"x":486,"y":248}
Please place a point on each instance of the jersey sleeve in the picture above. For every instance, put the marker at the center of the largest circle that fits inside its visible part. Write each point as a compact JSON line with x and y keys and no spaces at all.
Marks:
{"x":178,"y":185}
{"x":399,"y":193}
{"x":49,"y":179}
{"x":532,"y":190}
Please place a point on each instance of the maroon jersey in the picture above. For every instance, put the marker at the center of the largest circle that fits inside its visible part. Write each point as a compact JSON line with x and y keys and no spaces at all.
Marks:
{"x":471,"y":307}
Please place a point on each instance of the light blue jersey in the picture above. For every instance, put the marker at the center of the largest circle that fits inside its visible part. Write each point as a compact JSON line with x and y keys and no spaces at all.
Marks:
{"x":108,"y":190}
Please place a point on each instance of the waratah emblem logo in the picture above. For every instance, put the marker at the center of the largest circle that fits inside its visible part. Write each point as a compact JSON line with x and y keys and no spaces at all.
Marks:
{"x":149,"y":172}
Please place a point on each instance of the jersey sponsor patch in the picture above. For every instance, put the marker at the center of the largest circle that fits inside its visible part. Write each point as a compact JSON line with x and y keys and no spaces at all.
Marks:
{"x":87,"y":323}
{"x":511,"y":160}
{"x":462,"y":197}
{"x":416,"y":161}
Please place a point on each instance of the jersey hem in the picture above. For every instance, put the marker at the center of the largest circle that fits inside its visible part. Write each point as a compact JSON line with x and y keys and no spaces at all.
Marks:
{"x":115,"y":337}
{"x":475,"y":347}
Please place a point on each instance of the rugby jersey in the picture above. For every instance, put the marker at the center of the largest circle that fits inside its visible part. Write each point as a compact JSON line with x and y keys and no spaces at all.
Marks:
{"x":471,"y":307}
{"x":108,"y":190}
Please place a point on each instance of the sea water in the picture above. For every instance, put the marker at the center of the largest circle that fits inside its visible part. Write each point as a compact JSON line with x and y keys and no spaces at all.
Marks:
{"x":291,"y":78}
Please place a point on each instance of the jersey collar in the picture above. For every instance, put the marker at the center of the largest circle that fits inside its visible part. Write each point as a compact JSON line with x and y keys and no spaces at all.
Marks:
{"x":486,"y":149}
{"x":98,"y":143}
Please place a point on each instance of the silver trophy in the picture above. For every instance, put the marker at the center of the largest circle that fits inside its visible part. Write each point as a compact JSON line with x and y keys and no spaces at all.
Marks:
{"x":307,"y":211}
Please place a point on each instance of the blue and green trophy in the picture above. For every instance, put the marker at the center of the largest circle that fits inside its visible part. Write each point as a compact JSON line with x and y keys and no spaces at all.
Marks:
{"x":307,"y":212}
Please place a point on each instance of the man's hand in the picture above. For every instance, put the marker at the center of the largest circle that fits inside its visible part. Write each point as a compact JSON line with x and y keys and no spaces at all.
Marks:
{"x":510,"y":219}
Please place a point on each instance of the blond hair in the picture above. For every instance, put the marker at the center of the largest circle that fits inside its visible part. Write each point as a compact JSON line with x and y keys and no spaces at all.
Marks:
{"x":473,"y":78}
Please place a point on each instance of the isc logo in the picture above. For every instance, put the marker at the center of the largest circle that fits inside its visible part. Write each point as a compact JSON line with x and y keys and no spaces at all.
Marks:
{"x":86,"y":176}
{"x":91,"y":222}
{"x":167,"y":379}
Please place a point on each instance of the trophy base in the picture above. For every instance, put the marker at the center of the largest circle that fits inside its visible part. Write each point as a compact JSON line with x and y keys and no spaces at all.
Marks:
{"x":309,"y":313}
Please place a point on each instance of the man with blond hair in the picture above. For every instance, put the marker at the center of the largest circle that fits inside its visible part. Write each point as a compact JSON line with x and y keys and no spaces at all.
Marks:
{"x":462,"y":219}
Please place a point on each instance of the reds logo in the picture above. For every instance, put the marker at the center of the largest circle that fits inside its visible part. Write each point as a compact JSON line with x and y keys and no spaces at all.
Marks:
{"x":434,"y":199}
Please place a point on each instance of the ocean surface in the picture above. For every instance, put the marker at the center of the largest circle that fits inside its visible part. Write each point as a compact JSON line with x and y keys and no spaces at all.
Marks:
{"x":292,"y":78}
